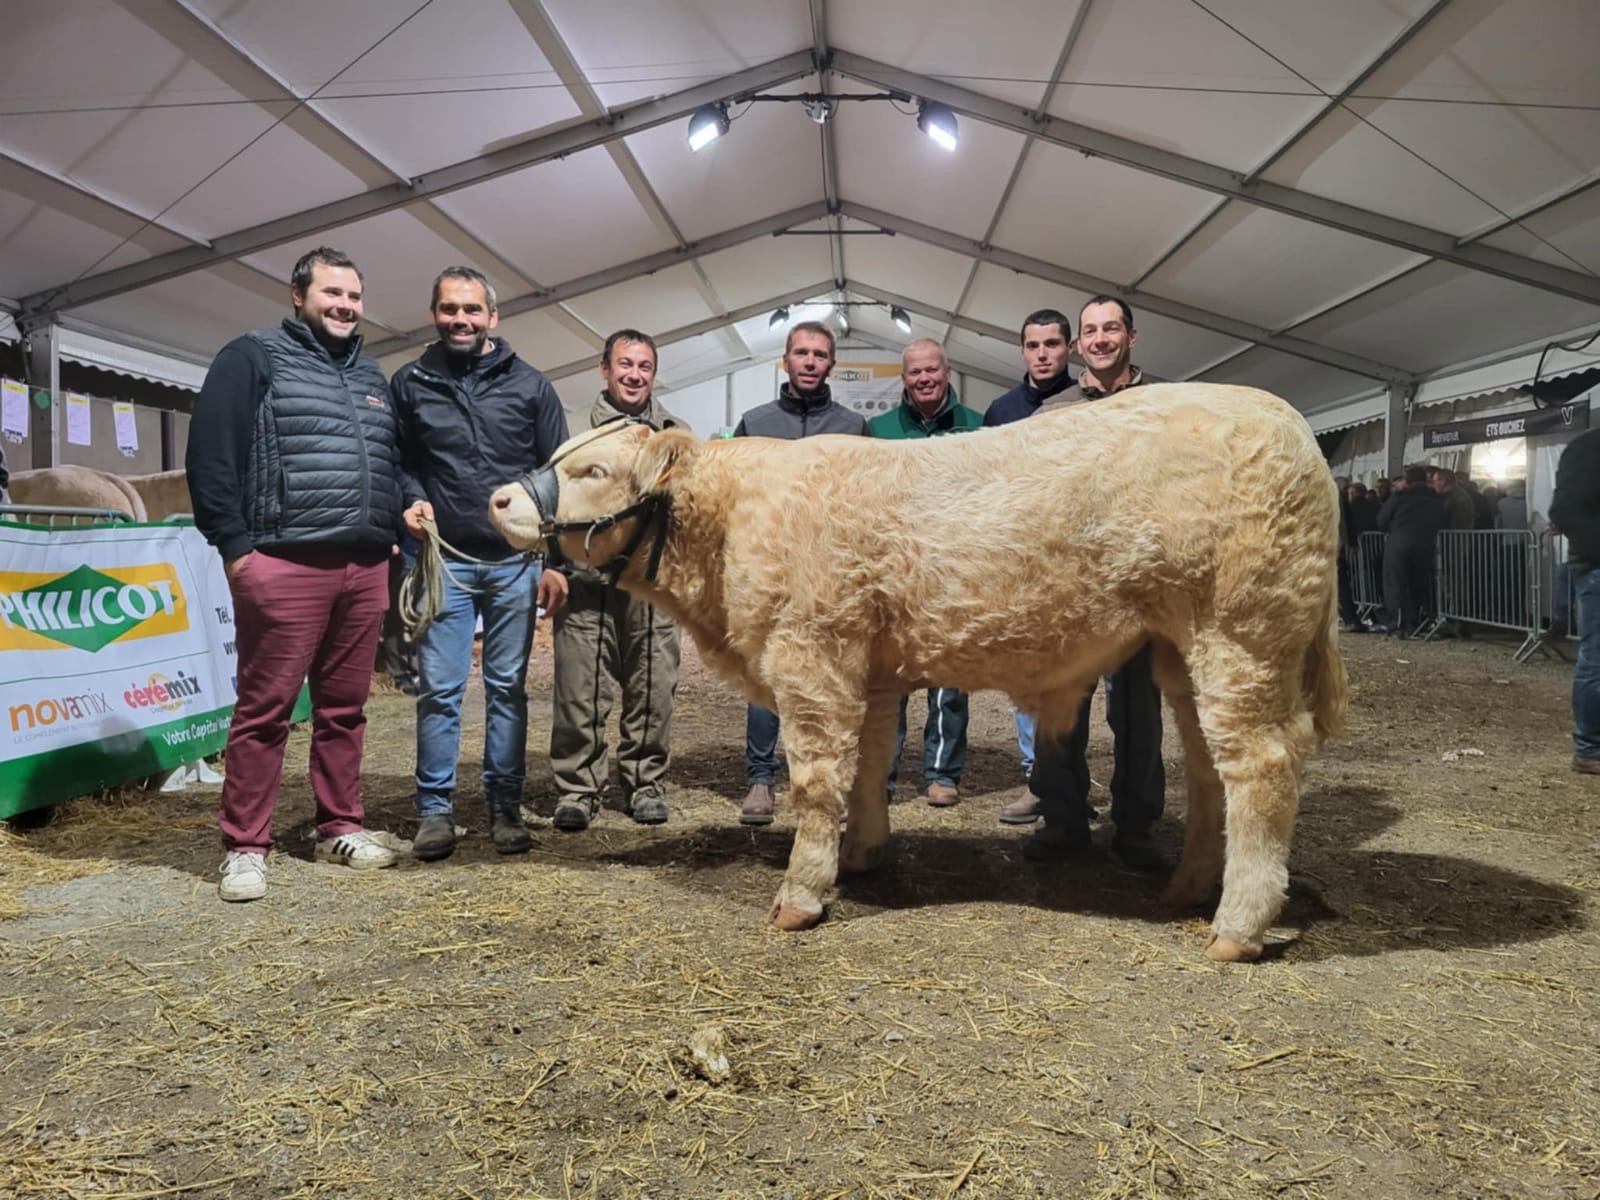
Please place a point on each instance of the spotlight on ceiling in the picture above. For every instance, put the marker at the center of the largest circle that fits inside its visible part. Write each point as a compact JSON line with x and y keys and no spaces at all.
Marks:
{"x":780,"y":317}
{"x":935,"y":120}
{"x":818,"y":110}
{"x":710,"y":121}
{"x":841,"y":320}
{"x":901,"y":319}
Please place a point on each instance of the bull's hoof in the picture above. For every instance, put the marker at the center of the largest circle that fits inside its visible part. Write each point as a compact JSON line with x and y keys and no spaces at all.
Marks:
{"x":1225,"y":949}
{"x":855,"y":859}
{"x":1188,"y":890}
{"x":790,"y":919}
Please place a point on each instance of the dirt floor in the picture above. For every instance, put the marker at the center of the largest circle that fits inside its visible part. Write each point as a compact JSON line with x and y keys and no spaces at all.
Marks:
{"x":965,"y":1024}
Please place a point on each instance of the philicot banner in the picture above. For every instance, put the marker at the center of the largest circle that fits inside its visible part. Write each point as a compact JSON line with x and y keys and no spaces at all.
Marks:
{"x":116,"y":657}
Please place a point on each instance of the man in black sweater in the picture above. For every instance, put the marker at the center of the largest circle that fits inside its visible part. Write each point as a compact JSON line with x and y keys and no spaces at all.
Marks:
{"x":294,"y":476}
{"x":1575,"y":511}
{"x":1412,"y":517}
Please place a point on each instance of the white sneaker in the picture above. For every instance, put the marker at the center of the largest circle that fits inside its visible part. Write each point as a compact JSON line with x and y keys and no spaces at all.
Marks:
{"x":244,"y":876}
{"x":361,"y":850}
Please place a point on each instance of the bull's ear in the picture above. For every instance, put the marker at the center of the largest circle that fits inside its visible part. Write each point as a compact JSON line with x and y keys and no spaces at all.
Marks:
{"x":660,"y":457}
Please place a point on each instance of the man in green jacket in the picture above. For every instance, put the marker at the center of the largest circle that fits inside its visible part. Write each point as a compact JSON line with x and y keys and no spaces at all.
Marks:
{"x":929,"y":407}
{"x":603,"y":635}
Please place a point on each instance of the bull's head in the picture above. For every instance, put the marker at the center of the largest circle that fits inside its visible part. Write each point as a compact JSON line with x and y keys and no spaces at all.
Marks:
{"x":598,"y":497}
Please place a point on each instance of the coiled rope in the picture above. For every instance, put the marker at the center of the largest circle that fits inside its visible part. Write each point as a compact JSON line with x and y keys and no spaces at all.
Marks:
{"x":422,"y":591}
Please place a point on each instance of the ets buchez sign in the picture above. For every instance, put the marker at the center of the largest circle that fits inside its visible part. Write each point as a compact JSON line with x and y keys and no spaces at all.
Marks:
{"x":1557,"y":419}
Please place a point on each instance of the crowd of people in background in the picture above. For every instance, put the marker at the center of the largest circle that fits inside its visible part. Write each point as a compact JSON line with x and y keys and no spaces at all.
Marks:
{"x":1411,"y":510}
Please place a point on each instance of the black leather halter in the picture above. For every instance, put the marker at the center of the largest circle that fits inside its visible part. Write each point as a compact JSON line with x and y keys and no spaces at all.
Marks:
{"x":652,"y":512}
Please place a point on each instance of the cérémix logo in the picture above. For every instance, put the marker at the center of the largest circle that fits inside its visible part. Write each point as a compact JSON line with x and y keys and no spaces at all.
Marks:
{"x":89,"y":608}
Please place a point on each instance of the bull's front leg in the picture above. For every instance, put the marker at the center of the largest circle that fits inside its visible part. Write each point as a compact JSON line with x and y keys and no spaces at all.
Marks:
{"x":866,"y":830}
{"x":822,"y":765}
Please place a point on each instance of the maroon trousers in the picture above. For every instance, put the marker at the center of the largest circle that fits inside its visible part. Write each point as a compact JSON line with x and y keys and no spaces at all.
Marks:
{"x":312,"y":617}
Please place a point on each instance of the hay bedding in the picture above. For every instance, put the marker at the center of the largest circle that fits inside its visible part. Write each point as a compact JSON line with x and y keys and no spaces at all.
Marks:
{"x":610,"y":1017}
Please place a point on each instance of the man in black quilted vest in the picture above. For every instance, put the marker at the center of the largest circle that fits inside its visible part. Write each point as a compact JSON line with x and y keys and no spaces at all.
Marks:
{"x":295,"y":478}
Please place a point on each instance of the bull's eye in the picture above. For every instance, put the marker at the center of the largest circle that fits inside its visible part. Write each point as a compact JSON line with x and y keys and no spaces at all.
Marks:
{"x":597,"y":471}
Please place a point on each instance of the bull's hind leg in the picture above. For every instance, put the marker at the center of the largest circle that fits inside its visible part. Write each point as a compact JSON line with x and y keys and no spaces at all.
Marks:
{"x":821,"y":740}
{"x":867,"y":822}
{"x":1201,"y":865}
{"x":1260,"y":734}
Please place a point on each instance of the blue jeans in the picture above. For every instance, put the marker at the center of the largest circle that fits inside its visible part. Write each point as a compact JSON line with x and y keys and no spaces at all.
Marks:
{"x":944,"y":738}
{"x":1026,"y":723}
{"x":444,"y":659}
{"x":760,"y":745}
{"x":1586,"y":674}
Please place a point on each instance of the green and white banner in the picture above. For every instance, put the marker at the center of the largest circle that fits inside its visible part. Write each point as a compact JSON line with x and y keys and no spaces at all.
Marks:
{"x":116,"y":657}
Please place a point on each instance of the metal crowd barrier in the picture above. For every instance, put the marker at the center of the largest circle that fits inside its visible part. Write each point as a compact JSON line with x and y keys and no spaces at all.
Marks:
{"x":1365,"y":560}
{"x":55,"y":514}
{"x":1560,"y":618}
{"x":1488,"y":577}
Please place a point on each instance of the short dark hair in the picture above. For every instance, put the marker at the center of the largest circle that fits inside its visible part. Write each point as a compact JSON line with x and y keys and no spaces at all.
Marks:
{"x":300,"y":280}
{"x":1444,"y":473}
{"x":1416,"y":474}
{"x":809,"y":327}
{"x":471,"y":275}
{"x":1127,"y":313}
{"x":1045,"y":316}
{"x":627,"y":335}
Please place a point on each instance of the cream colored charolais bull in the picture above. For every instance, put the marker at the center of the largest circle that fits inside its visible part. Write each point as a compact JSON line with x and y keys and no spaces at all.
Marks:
{"x":826,"y":577}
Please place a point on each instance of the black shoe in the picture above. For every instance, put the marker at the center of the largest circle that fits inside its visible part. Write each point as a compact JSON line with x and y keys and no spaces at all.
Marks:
{"x":436,"y":838}
{"x":1058,"y":843}
{"x":574,"y":814}
{"x":648,"y":807}
{"x":1138,"y":850}
{"x":507,"y":831}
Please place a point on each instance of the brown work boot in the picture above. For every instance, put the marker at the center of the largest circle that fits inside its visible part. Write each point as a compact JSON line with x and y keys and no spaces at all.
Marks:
{"x":1586,"y":766}
{"x":943,"y":795}
{"x":759,"y":805}
{"x":1024,"y":810}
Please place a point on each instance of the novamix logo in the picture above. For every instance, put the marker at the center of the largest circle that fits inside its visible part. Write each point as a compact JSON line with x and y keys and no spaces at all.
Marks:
{"x":89,"y":608}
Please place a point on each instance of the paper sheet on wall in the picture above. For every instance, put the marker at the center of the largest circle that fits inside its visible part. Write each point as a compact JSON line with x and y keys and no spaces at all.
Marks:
{"x":127,"y":431}
{"x":78,"y":410}
{"x":13,"y":410}
{"x":867,"y":388}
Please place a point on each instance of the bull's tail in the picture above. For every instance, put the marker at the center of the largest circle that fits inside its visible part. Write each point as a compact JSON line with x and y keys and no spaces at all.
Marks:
{"x":1323,"y":679}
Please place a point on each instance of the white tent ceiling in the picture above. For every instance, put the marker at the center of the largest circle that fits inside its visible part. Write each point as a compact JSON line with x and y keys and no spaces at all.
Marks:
{"x":1317,"y":198}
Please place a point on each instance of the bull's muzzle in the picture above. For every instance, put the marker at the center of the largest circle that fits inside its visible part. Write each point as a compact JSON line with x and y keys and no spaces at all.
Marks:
{"x":544,"y":489}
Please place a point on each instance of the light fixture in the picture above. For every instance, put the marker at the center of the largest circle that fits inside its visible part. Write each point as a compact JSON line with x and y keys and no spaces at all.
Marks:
{"x":818,"y":109}
{"x":709,"y":122}
{"x":902,"y":320}
{"x":778,"y":318}
{"x":842,"y":320}
{"x":934,"y":119}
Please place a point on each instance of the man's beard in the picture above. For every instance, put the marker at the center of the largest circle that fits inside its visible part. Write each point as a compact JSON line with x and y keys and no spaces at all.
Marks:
{"x":320,"y":331}
{"x":472,"y":351}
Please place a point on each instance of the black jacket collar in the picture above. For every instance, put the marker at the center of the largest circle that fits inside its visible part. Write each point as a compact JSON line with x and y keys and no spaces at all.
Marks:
{"x":301,"y":332}
{"x":438,"y":360}
{"x":817,"y":401}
